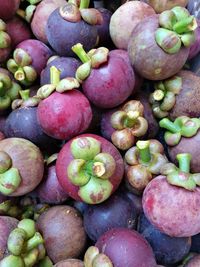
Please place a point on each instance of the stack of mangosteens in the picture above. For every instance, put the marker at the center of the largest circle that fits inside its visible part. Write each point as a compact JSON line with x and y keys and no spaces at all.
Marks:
{"x":99,"y":133}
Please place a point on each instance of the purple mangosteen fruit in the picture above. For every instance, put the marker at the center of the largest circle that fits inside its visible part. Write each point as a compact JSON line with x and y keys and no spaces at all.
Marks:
{"x":171,"y":200}
{"x":41,"y":15}
{"x":89,"y":168}
{"x":17,"y":174}
{"x":18,"y":30}
{"x":49,"y":190}
{"x":29,"y":59}
{"x":78,"y":21}
{"x":168,"y":250}
{"x":63,"y":232}
{"x":159,"y":44}
{"x":125,"y":247}
{"x":66,"y":65}
{"x":8,"y":8}
{"x":114,"y":213}
{"x":124,"y":20}
{"x":66,"y":112}
{"x":107,"y":79}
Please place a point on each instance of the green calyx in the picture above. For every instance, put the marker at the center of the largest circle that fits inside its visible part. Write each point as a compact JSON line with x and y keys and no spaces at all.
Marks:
{"x":9,"y":91}
{"x":25,"y":244}
{"x":75,"y":11}
{"x":128,"y":122}
{"x":176,"y":29}
{"x":90,"y":170}
{"x":181,"y":176}
{"x":93,"y":59}
{"x":21,"y":67}
{"x":93,"y":258}
{"x":57,"y":85}
{"x":148,"y":154}
{"x":5,"y":40}
{"x":182,"y":126}
{"x":163,"y":98}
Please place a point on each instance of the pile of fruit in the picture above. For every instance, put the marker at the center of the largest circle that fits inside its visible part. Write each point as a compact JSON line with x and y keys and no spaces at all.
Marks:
{"x":99,"y":133}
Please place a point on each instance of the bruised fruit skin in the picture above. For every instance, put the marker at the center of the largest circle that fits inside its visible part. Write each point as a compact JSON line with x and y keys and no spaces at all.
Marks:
{"x":92,"y":196}
{"x":8,"y":8}
{"x":41,"y":15}
{"x":143,"y":50}
{"x":7,"y":224}
{"x":70,"y":263}
{"x":58,"y":115}
{"x":66,"y":65}
{"x":63,"y":232}
{"x":126,"y":247}
{"x":160,"y":6}
{"x":24,"y":155}
{"x":171,"y":208}
{"x":124,"y":20}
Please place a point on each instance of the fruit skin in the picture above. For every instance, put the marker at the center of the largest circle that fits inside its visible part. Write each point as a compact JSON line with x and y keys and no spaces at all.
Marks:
{"x":160,"y":6}
{"x":24,"y":155}
{"x":187,"y":100}
{"x":23,"y":123}
{"x":18,"y":30}
{"x":65,"y":157}
{"x":111,"y":84}
{"x":8,"y":8}
{"x":7,"y":224}
{"x":148,"y":59}
{"x":63,"y":232}
{"x":193,"y":262}
{"x":187,"y":145}
{"x":38,"y":51}
{"x":59,"y":117}
{"x":115,"y":212}
{"x":70,"y":263}
{"x":41,"y":15}
{"x":66,"y":65}
{"x":49,"y":190}
{"x":78,"y":32}
{"x":171,"y":209}
{"x":127,"y":248}
{"x":167,"y":250}
{"x":124,"y":20}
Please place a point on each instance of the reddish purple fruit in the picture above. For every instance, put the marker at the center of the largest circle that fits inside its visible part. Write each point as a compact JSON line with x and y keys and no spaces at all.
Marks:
{"x":127,"y":248}
{"x":8,"y":8}
{"x":89,"y":168}
{"x":65,"y":115}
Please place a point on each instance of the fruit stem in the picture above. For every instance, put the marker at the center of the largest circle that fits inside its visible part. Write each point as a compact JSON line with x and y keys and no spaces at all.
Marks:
{"x":84,"y":4}
{"x":169,"y":125}
{"x":131,"y":118}
{"x":80,"y":52}
{"x":25,"y":94}
{"x":184,"y":162}
{"x":35,"y":241}
{"x":54,"y":75}
{"x":144,"y":150}
{"x":20,"y":74}
{"x":158,"y":95}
